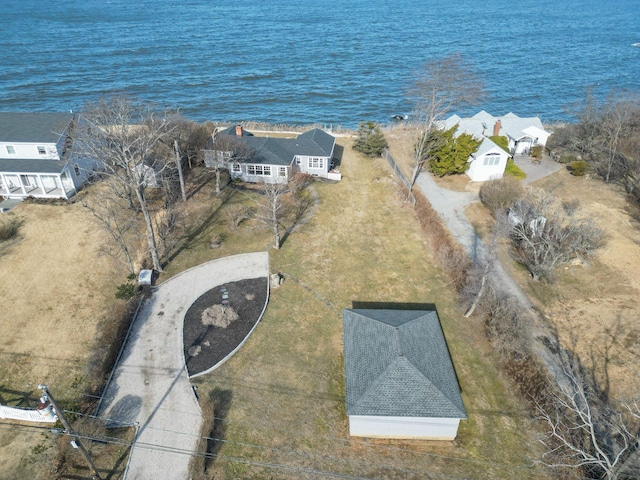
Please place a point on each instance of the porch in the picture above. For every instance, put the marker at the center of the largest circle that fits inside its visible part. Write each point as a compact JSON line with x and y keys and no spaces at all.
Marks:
{"x":36,"y":185}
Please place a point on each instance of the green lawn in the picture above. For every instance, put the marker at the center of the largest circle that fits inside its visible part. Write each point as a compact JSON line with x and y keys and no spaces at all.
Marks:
{"x":279,"y":402}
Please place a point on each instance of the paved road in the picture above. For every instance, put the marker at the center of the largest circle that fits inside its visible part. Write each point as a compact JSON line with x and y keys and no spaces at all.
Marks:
{"x":150,"y":385}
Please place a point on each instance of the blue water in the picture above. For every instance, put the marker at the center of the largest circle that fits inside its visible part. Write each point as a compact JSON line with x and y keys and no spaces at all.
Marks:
{"x":312,"y":61}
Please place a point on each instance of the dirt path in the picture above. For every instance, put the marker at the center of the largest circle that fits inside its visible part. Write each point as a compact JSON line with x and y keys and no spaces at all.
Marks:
{"x":150,"y":387}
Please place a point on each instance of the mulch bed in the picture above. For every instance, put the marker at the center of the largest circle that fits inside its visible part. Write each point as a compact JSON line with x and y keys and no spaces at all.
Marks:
{"x":206,"y":345}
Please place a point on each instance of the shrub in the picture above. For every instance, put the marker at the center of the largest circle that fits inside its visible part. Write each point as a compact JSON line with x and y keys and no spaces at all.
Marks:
{"x":514,"y":170}
{"x":9,"y":229}
{"x":579,"y":168}
{"x":500,"y":194}
{"x":536,"y":152}
{"x":501,"y":141}
{"x":126,"y":291}
{"x":454,"y":260}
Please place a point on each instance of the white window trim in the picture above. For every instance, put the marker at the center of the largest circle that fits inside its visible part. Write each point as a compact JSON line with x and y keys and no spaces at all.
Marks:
{"x":319,"y":162}
{"x":491,"y":159}
{"x":259,"y":170}
{"x":236,"y":168}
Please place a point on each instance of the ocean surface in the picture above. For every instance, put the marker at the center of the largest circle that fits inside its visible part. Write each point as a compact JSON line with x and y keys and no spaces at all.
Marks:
{"x":313,"y":61}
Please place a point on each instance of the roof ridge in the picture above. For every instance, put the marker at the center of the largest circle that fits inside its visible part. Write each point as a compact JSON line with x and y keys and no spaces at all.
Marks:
{"x":364,"y":396}
{"x":453,"y":404}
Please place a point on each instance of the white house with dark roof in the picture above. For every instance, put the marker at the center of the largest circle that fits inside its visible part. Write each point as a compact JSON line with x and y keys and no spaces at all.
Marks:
{"x":490,"y":160}
{"x":274,"y":160}
{"x":399,"y":378}
{"x":36,"y":156}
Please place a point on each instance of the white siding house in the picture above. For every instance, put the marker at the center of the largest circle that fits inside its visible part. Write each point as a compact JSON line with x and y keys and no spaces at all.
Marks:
{"x":399,"y":378}
{"x":36,"y":156}
{"x":272,"y":160}
{"x":489,"y":161}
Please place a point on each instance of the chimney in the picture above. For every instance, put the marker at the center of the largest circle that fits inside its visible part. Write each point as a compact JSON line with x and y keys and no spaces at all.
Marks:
{"x":238,"y":130}
{"x":496,"y":128}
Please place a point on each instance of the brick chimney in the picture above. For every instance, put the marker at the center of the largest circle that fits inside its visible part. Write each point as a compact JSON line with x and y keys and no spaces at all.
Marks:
{"x":496,"y":128}
{"x":238,"y":130}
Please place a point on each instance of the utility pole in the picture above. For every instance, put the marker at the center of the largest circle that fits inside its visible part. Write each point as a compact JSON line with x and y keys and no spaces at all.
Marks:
{"x":75,"y":440}
{"x":179,"y":165}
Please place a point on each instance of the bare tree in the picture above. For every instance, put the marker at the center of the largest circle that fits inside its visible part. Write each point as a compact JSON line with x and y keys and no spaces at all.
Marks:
{"x":125,"y":138}
{"x":585,"y":431}
{"x":545,"y":237}
{"x":615,"y":127}
{"x":441,"y":85}
{"x":225,"y":150}
{"x":480,"y":278}
{"x":272,"y":208}
{"x":605,"y":136}
{"x":119,"y":222}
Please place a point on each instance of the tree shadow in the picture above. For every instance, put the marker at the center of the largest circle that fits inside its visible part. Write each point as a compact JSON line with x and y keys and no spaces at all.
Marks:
{"x":221,"y":404}
{"x":188,"y":239}
{"x":301,"y":212}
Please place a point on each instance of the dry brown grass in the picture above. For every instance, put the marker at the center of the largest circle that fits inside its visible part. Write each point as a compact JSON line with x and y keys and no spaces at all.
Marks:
{"x":55,"y":293}
{"x":593,"y":306}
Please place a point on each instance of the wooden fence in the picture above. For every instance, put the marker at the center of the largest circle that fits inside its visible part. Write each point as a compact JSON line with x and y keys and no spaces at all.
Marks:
{"x":399,"y":174}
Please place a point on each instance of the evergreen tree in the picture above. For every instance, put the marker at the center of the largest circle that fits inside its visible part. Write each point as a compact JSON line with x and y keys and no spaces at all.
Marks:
{"x":452,"y":152}
{"x":370,"y":140}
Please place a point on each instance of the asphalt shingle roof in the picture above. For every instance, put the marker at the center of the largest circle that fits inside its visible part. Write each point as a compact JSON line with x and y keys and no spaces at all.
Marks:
{"x":35,"y":165}
{"x":26,"y":127}
{"x":281,"y":151}
{"x":397,"y":364}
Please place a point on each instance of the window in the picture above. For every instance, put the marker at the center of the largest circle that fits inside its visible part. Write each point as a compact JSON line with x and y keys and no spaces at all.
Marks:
{"x":298,"y":160}
{"x":42,"y":150}
{"x":11,"y":150}
{"x":316,"y":162}
{"x":263,"y":170}
{"x":282,"y":171}
{"x":236,"y":168}
{"x":491,"y":159}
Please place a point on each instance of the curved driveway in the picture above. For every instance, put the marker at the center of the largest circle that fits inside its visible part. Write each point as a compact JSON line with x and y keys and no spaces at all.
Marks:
{"x":150,"y":386}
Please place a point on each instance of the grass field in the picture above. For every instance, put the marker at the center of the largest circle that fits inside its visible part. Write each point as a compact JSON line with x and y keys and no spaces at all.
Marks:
{"x":278,"y":404}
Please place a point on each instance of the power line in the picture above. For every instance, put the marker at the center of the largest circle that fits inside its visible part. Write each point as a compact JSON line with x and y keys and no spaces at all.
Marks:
{"x":342,"y":440}
{"x":233,"y":459}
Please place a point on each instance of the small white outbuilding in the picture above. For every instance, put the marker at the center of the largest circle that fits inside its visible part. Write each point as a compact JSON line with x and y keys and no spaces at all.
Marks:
{"x":400,"y":381}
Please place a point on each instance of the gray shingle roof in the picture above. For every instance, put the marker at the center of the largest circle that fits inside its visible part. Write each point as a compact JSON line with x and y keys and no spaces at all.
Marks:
{"x":281,"y":151}
{"x":270,"y":151}
{"x":397,"y":364}
{"x":33,"y":127}
{"x":35,"y":165}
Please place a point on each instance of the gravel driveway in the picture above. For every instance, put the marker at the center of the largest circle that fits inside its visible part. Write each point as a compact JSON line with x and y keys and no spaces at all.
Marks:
{"x":450,"y":206}
{"x":150,"y":386}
